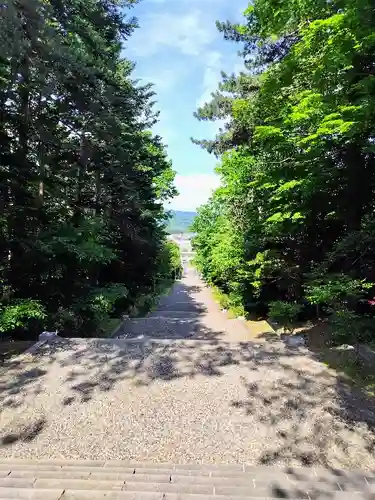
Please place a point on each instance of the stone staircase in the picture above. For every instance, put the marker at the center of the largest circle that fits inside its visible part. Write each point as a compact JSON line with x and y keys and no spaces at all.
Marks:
{"x":161,"y":353}
{"x":159,"y":327}
{"x":120,"y":480}
{"x":177,"y":317}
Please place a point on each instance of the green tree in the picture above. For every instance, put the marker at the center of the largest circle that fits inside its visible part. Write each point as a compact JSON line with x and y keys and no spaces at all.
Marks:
{"x":82,"y":179}
{"x":297,"y":151}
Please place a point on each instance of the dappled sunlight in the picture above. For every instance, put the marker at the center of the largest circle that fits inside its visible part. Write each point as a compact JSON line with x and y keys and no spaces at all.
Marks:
{"x":294,"y":406}
{"x":184,"y":385}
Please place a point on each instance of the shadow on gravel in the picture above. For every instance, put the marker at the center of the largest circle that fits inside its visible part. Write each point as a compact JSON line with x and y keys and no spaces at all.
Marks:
{"x":316,"y":418}
{"x":25,"y":433}
{"x":311,"y":416}
{"x":319,"y":483}
{"x":181,"y":299}
{"x":19,"y":378}
{"x":305,"y":413}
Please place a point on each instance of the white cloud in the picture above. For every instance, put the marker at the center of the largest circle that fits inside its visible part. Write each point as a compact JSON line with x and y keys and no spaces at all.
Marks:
{"x":214,"y":64}
{"x":194,"y":189}
{"x":164,"y":81}
{"x":166,"y":132}
{"x":188,"y":33}
{"x":211,"y":76}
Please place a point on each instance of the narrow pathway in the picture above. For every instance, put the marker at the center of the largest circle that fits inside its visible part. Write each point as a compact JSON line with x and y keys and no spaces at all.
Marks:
{"x":188,"y":312}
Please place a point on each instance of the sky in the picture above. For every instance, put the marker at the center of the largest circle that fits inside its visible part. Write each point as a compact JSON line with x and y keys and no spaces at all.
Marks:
{"x":179,"y":49}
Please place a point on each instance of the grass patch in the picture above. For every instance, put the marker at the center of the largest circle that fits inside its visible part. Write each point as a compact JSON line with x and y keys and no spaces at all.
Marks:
{"x":224,"y":301}
{"x":345,"y":362}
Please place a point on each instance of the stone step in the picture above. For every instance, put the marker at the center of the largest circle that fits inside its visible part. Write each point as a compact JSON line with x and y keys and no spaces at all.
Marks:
{"x":16,"y":477}
{"x":274,"y":489}
{"x":280,"y":486}
{"x":155,"y":328}
{"x":175,"y":314}
{"x":123,"y":480}
{"x":85,"y":495}
{"x":9,"y":494}
{"x":33,"y":494}
{"x":151,"y":320}
{"x":182,"y":305}
{"x":174,"y":476}
{"x":141,"y":495}
{"x":96,"y":495}
{"x":228,"y":493}
{"x":213,"y":470}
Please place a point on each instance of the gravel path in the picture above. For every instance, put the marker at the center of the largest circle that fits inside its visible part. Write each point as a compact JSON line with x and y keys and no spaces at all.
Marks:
{"x":216,"y":398}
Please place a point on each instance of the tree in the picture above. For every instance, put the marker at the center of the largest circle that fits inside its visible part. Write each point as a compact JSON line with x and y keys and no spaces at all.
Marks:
{"x":297,"y":155}
{"x":82,"y":178}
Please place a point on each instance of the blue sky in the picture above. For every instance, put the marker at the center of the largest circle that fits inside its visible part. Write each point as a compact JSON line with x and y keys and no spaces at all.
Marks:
{"x":179,"y":49}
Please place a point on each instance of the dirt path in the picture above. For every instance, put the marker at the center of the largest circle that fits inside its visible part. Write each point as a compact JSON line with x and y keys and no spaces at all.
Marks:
{"x":205,"y":395}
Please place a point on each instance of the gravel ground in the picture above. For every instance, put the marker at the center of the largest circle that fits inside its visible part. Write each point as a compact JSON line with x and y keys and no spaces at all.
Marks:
{"x":214,"y":400}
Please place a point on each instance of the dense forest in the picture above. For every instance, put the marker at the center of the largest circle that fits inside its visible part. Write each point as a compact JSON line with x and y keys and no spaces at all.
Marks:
{"x":82,"y":178}
{"x":291,"y":231}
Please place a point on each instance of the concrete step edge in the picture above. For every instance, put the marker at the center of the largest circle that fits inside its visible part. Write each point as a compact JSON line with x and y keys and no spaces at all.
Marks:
{"x":140,"y":477}
{"x":128,"y":463}
{"x":146,"y":495}
{"x":176,"y":318}
{"x":210,"y":486}
{"x":192,"y":467}
{"x":123,"y":495}
{"x":164,"y":319}
{"x":31,"y":494}
{"x":176,"y":479}
{"x":215,"y":470}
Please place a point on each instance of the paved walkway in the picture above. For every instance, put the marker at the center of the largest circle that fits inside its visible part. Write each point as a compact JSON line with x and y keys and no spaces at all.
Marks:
{"x":188,"y":312}
{"x":204,"y":395}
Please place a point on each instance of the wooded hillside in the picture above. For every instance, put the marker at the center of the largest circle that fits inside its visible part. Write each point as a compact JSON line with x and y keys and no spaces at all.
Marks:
{"x":293,"y":226}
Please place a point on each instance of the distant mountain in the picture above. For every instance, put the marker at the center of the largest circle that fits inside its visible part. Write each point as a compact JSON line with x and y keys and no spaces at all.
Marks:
{"x":180,"y":222}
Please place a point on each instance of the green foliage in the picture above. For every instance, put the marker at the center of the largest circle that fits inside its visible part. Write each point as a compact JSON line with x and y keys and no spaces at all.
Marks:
{"x":101,"y":301}
{"x":339,"y":294}
{"x":82,"y":178}
{"x":169,"y":269}
{"x":85,"y":242}
{"x":293,"y":220}
{"x":17,"y":315}
{"x":169,"y":262}
{"x":336,"y":290}
{"x":349,"y":327}
{"x":284,"y":313}
{"x":231,"y":302}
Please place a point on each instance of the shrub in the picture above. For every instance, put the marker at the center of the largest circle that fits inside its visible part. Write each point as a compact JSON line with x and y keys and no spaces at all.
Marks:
{"x":348,"y":327}
{"x":335,"y":290}
{"x":20,"y":314}
{"x":284,"y":313}
{"x":338,"y":295}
